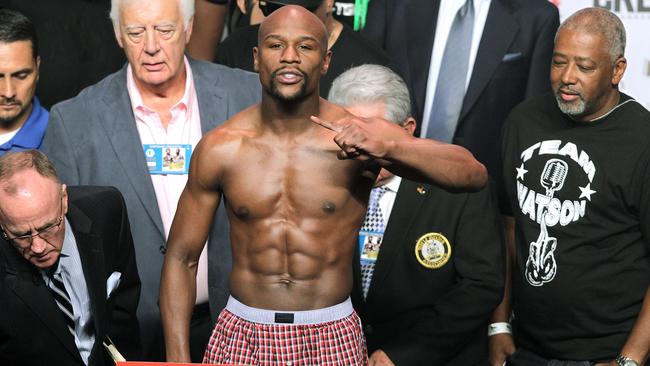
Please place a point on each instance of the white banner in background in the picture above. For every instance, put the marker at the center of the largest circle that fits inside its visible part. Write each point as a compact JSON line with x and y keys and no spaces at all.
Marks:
{"x":635,"y":14}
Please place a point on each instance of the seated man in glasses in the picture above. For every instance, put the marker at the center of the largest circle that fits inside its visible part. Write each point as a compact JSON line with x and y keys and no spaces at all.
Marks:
{"x":70,"y":282}
{"x":348,"y":47}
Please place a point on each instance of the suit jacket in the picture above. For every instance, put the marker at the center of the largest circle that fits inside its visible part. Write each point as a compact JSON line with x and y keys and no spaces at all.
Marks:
{"x":422,"y":316}
{"x":512,"y":63}
{"x":93,"y":139}
{"x":32,"y":328}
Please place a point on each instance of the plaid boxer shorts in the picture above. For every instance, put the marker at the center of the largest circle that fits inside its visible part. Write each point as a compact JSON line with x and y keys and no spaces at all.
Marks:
{"x":241,"y":342}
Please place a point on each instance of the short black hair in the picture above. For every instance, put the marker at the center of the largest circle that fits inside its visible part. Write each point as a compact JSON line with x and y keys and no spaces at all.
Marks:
{"x":14,"y":27}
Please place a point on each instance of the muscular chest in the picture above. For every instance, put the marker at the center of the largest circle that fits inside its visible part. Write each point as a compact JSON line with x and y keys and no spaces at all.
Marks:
{"x":293,"y":180}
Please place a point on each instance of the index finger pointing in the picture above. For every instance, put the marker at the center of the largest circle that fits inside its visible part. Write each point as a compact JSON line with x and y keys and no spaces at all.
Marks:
{"x":329,"y":125}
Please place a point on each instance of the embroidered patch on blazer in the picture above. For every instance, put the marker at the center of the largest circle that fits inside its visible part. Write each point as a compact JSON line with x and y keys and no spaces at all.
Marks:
{"x":432,"y":250}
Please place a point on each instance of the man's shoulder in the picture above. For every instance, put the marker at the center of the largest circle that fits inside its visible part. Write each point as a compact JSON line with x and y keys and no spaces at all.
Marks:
{"x":236,"y":128}
{"x":439,"y":197}
{"x":635,"y":109}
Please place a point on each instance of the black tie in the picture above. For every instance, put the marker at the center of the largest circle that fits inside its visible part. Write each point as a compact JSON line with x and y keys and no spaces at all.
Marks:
{"x":62,"y":300}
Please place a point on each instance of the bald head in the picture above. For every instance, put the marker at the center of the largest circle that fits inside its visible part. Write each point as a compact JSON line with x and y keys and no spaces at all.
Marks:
{"x":32,"y":205}
{"x":14,"y":162}
{"x":600,"y":22}
{"x":291,"y":17}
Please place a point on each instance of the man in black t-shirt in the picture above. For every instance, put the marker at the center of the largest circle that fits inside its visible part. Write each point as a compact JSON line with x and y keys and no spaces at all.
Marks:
{"x":577,"y":177}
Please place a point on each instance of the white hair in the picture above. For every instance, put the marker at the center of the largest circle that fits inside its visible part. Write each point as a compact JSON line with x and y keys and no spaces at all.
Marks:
{"x":185,"y":6}
{"x":373,"y":84}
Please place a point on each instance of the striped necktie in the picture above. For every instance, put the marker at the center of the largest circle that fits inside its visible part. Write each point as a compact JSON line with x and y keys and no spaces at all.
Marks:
{"x":373,"y":222}
{"x":62,"y":299}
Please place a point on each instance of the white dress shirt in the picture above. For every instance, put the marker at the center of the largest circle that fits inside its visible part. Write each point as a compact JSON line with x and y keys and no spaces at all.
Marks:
{"x":387,"y":201}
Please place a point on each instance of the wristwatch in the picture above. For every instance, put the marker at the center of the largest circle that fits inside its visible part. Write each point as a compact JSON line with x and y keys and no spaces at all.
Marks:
{"x":625,"y":361}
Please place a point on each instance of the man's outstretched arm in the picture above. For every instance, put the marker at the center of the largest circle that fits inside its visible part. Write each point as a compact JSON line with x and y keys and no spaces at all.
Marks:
{"x":424,"y":160}
{"x":189,"y":231}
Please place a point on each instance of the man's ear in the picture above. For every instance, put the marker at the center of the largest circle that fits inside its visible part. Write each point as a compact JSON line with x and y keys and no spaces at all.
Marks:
{"x":118,"y":36}
{"x":326,"y":62}
{"x":619,"y":69}
{"x":256,"y":63}
{"x":188,"y":30}
{"x":410,"y":125}
{"x":38,"y":67}
{"x":64,"y":198}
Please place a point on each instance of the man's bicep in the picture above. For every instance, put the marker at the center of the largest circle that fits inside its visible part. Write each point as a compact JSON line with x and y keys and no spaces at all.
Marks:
{"x":197,"y":205}
{"x":191,"y":225}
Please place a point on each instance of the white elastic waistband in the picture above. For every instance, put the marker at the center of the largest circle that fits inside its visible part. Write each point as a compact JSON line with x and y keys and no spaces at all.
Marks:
{"x":324,"y":315}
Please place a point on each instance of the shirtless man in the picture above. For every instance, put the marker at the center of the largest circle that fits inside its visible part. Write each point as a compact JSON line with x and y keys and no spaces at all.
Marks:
{"x":296,"y":191}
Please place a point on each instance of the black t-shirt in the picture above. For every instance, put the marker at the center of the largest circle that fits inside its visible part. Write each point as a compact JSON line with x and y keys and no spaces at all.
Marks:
{"x":350,"y":50}
{"x":580,"y":194}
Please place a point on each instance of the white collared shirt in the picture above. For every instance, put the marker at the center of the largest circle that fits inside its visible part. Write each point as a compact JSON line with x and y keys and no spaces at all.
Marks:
{"x":446,"y":15}
{"x":387,"y":201}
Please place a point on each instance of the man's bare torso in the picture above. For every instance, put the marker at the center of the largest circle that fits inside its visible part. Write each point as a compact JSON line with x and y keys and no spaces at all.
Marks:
{"x":294,"y":211}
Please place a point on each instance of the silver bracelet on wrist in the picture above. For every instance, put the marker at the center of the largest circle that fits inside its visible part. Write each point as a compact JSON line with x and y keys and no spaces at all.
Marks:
{"x":498,"y":328}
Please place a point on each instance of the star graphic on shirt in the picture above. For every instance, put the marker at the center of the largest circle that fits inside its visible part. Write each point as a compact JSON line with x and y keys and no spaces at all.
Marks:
{"x":521,"y":171}
{"x":586,"y":191}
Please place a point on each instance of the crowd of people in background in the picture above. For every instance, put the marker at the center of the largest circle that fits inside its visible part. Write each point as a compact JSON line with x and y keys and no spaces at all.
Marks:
{"x":320,"y":182}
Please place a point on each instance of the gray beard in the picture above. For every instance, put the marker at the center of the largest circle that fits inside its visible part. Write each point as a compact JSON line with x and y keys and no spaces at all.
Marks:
{"x":574,"y":108}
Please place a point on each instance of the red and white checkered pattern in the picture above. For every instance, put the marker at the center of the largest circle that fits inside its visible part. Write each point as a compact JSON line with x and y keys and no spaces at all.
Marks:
{"x":241,"y":342}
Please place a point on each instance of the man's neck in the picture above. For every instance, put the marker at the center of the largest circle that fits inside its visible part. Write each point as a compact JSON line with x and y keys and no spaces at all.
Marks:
{"x":289,"y":117}
{"x":611,"y":102}
{"x":168,"y":93}
{"x":18,"y":122}
{"x":161,"y":98}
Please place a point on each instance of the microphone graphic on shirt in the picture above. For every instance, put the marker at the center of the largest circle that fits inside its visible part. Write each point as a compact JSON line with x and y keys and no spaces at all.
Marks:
{"x":540,"y":265}
{"x":553,"y":176}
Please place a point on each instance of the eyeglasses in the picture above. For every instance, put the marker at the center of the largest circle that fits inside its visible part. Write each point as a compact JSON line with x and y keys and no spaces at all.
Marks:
{"x":269,"y":6}
{"x":44,"y":233}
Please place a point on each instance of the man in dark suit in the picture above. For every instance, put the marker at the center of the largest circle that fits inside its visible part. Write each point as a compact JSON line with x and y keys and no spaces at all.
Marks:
{"x":426,"y":292}
{"x":78,"y":238}
{"x":160,"y":99}
{"x":510,"y":58}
